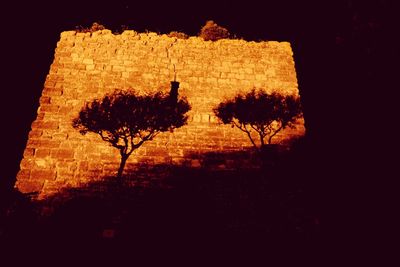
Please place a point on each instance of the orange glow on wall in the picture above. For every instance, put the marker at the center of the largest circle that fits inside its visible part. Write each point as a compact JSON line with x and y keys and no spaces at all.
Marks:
{"x":89,"y":65}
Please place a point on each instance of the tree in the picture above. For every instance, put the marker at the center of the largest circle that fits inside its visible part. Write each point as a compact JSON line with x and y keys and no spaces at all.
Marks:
{"x":94,"y":28}
{"x":126,"y":120}
{"x":266,"y":114}
{"x":212,"y":31}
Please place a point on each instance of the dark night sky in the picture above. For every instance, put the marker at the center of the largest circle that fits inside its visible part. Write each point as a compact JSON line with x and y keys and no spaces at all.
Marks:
{"x":31,"y":30}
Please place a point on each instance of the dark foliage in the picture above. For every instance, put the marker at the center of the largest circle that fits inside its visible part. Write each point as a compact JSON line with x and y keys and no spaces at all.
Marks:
{"x":95,"y":27}
{"x":121,"y":29}
{"x":211,"y":31}
{"x":266,"y":114}
{"x":178,"y":35}
{"x":126,"y":120}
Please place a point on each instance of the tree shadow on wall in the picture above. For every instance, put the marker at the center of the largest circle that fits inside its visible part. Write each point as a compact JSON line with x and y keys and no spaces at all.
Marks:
{"x":215,"y":204}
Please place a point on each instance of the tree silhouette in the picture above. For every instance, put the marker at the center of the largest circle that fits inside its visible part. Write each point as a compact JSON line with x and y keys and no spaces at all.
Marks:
{"x":212,"y":31}
{"x":266,"y":114}
{"x":126,"y":120}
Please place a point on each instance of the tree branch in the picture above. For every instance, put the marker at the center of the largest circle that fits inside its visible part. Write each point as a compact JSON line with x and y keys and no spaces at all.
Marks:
{"x":249,"y":135}
{"x":126,"y":147}
{"x":255,"y":128}
{"x":113,"y":142}
{"x":105,"y":138}
{"x":270,"y":137}
{"x":239,"y":126}
{"x":149,"y":136}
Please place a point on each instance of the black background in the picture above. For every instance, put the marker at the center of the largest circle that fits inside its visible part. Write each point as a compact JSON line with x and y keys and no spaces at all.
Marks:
{"x":346,"y":73}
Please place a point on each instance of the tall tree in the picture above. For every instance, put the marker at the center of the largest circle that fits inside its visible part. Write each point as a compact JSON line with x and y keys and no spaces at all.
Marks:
{"x":266,"y":114}
{"x":126,"y":120}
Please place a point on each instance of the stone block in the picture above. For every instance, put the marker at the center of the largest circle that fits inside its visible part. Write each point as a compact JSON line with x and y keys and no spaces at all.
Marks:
{"x":80,"y":66}
{"x":48,"y":108}
{"x":67,"y":35}
{"x":205,"y":118}
{"x":118,"y":68}
{"x":24,"y":174}
{"x":27,"y":164}
{"x":196,"y":118}
{"x":43,"y":174}
{"x":36,"y":133}
{"x":95,"y":166}
{"x":65,"y":174}
{"x":50,"y":91}
{"x":62,"y":153}
{"x":44,"y":100}
{"x":157,"y":152}
{"x":29,"y":186}
{"x":29,"y":152}
{"x":42,"y":152}
{"x":43,"y":143}
{"x":87,"y":61}
{"x":48,"y":125}
{"x":111,"y":167}
{"x":109,"y":156}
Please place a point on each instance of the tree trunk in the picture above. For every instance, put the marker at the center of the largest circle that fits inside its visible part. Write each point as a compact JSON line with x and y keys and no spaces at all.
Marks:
{"x":124,"y":158}
{"x":262,"y":140}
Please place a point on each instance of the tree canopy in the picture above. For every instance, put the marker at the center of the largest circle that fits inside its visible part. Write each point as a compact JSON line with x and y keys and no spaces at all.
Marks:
{"x":266,"y":114}
{"x":211,"y":31}
{"x":126,"y":120}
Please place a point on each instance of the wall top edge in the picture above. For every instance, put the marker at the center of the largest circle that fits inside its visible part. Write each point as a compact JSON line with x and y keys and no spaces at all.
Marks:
{"x":131,"y":34}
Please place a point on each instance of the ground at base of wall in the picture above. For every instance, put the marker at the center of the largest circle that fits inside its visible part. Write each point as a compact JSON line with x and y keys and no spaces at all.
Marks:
{"x":273,"y":202}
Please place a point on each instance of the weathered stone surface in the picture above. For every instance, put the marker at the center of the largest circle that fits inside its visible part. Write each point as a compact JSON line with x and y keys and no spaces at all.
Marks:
{"x":43,"y":174}
{"x":87,"y":66}
{"x":29,"y":186}
{"x":63,"y":153}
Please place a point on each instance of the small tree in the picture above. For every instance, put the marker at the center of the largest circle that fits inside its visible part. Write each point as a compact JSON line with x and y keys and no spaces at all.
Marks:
{"x":126,"y":120}
{"x":178,"y":35}
{"x":212,"y":31}
{"x":94,"y":28}
{"x":266,"y":114}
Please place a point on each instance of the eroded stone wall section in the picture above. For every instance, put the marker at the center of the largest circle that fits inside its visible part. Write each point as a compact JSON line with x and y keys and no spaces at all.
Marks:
{"x":89,"y":65}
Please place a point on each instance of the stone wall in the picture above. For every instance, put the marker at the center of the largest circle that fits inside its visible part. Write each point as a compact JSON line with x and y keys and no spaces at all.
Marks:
{"x":88,"y":65}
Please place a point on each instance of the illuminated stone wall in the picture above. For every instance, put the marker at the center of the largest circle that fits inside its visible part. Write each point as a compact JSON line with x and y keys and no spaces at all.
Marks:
{"x":88,"y":65}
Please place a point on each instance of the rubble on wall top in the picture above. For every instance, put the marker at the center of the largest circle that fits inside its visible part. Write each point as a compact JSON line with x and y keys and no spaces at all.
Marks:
{"x":153,"y":35}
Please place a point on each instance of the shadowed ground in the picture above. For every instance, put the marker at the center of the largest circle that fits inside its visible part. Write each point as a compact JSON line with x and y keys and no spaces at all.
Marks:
{"x":177,"y":208}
